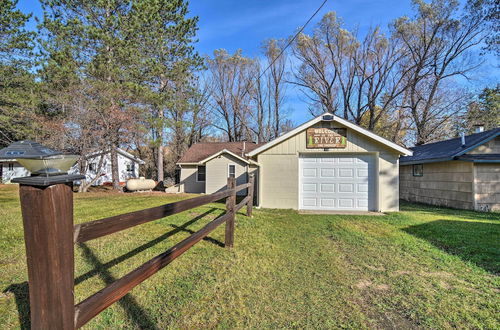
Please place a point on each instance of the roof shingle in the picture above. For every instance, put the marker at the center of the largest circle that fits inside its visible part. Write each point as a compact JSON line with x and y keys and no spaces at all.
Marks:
{"x":199,"y":151}
{"x":448,"y":149}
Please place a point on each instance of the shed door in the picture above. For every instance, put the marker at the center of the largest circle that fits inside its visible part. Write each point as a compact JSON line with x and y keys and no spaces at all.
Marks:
{"x":331,"y":182}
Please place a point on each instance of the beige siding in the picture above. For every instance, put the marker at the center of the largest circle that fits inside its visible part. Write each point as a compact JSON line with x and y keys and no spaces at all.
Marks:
{"x":188,"y":181}
{"x":487,"y":187}
{"x":444,"y":184}
{"x":279,"y":169}
{"x":490,"y":147}
{"x":297,"y":144}
{"x":279,"y":177}
{"x":388,"y":182}
{"x":217,"y":173}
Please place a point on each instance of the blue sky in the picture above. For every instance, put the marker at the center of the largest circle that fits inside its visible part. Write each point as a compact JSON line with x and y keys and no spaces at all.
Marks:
{"x":245,"y":24}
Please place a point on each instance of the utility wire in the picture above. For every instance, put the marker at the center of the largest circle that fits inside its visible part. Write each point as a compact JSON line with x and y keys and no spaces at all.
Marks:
{"x":293,"y":39}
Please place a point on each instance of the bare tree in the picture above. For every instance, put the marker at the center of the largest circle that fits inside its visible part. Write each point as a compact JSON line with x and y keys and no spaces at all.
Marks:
{"x":437,"y":41}
{"x":230,"y":97}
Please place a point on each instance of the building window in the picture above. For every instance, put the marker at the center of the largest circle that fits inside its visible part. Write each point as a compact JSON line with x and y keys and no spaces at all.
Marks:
{"x":131,"y":167}
{"x":418,"y":170}
{"x":11,"y":166}
{"x":231,"y":171}
{"x":201,"y":173}
{"x":177,"y":175}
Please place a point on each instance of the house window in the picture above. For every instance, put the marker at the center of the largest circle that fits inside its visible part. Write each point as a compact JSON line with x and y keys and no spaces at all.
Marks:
{"x":11,"y":166}
{"x":177,"y":175}
{"x":231,"y":171}
{"x":131,"y":167}
{"x":418,"y":170}
{"x":201,"y":173}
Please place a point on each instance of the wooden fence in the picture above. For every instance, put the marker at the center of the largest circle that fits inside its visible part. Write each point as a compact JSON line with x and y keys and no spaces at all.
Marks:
{"x":50,"y":237}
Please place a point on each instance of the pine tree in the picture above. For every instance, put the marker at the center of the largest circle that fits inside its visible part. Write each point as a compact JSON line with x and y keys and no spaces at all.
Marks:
{"x":17,"y":84}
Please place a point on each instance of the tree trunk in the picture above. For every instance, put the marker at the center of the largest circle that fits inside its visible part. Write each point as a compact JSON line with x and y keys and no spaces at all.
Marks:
{"x":114,"y":168}
{"x":159,"y":158}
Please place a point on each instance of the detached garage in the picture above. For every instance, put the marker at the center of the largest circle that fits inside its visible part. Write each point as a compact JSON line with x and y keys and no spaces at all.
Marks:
{"x":329,"y":164}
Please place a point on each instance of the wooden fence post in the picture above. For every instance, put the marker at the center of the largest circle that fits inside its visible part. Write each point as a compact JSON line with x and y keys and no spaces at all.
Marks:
{"x":230,"y":205}
{"x":48,"y":235}
{"x":250,"y":194}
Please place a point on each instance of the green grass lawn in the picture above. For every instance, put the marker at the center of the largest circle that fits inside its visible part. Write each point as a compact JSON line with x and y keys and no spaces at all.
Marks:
{"x":419,"y":268}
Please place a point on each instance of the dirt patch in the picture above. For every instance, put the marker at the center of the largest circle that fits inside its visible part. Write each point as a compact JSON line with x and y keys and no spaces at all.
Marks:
{"x":363,"y":284}
{"x":382,"y":287}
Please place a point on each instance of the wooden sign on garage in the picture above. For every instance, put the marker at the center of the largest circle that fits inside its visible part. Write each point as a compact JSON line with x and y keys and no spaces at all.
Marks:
{"x":326,"y":138}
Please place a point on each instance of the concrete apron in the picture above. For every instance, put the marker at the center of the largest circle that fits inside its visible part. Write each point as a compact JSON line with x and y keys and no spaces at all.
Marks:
{"x":341,"y":212}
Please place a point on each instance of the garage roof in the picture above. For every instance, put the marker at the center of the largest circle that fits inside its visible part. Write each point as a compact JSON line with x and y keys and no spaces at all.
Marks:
{"x":449,"y":149}
{"x":201,"y":151}
{"x":330,"y":117}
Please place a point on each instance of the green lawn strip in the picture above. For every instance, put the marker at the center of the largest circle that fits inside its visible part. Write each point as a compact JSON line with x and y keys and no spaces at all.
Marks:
{"x":421,"y":267}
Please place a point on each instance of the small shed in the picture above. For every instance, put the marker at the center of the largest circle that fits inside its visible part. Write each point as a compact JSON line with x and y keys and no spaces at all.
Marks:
{"x":329,"y":164}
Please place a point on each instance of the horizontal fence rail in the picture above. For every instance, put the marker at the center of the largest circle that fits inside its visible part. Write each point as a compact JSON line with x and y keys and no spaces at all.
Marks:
{"x":103,"y":227}
{"x":99,"y":301}
{"x":51,"y":259}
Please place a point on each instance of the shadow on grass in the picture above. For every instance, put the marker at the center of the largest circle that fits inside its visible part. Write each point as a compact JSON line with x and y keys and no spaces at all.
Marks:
{"x":446,"y":211}
{"x":476,"y":242}
{"x":143,"y":247}
{"x":21,"y":294}
{"x":128,"y":303}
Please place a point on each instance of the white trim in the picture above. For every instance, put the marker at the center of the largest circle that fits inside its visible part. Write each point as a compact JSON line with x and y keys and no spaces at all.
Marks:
{"x":247,"y":161}
{"x":227,"y":152}
{"x":189,"y":164}
{"x":197,"y":172}
{"x":229,"y":172}
{"x":339,"y":120}
{"x":118,"y":150}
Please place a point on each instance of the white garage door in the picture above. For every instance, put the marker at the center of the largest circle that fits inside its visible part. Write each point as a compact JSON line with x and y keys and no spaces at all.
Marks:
{"x":330,"y":182}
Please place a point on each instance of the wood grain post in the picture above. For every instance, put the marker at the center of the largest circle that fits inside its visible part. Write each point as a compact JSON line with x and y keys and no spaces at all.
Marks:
{"x":48,"y":236}
{"x":251,"y":190}
{"x":230,"y":205}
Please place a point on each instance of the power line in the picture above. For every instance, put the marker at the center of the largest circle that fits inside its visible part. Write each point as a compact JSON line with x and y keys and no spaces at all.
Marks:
{"x":293,"y":39}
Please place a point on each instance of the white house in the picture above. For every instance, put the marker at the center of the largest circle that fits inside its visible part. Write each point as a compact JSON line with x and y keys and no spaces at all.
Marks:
{"x":128,"y":167}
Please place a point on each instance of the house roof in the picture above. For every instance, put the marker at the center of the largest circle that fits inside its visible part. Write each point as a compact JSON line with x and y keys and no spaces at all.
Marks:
{"x":121,"y":152}
{"x":204,"y":151}
{"x":339,"y":120}
{"x":449,"y":149}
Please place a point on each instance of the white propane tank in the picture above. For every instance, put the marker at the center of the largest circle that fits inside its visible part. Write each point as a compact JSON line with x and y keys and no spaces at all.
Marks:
{"x":140,"y":184}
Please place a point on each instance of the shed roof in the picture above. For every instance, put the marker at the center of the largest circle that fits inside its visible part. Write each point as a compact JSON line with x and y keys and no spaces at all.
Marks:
{"x":203,"y":150}
{"x":448,"y":149}
{"x":330,"y":117}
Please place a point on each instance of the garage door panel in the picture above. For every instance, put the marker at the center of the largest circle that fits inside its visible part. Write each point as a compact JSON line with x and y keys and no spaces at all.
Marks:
{"x":309,"y":187}
{"x":346,"y":203}
{"x":346,"y":173}
{"x":346,"y":160}
{"x":311,"y":202}
{"x":309,"y":173}
{"x":345,"y":187}
{"x":327,"y":172}
{"x":327,"y":202}
{"x":337,"y":182}
{"x":362,"y":173}
{"x":327,"y":187}
{"x":362,"y":203}
{"x":362,"y":187}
